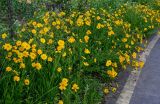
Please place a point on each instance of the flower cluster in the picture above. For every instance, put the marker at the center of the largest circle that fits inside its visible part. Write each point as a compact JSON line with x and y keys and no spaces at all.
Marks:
{"x":55,"y":53}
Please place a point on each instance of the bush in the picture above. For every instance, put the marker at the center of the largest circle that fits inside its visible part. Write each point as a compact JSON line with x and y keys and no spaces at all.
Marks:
{"x":59,"y":57}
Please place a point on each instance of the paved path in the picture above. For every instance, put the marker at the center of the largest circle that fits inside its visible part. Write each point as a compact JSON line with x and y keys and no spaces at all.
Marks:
{"x":147,"y":90}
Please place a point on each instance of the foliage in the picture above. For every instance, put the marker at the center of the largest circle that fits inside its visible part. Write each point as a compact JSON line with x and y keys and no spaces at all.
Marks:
{"x":59,"y":57}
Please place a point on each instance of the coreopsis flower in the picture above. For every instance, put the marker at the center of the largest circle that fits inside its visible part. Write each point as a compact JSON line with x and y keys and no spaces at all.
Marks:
{"x":8,"y":69}
{"x":34,"y":23}
{"x":22,"y":65}
{"x":60,"y":102}
{"x":59,"y":69}
{"x":63,"y":84}
{"x":7,"y":46}
{"x":26,"y":82}
{"x":98,"y":17}
{"x":134,"y":55}
{"x":50,"y":59}
{"x":34,"y":31}
{"x":42,"y":40}
{"x":46,"y":29}
{"x":71,"y":39}
{"x":85,"y":63}
{"x":37,"y":65}
{"x":87,"y":51}
{"x":106,"y":90}
{"x":112,"y":73}
{"x":141,"y":64}
{"x":25,"y":45}
{"x":124,"y":40}
{"x":43,"y":56}
{"x":50,"y":41}
{"x":88,"y":32}
{"x":16,"y":78}
{"x":59,"y":48}
{"x":4,"y":35}
{"x":39,"y":25}
{"x":108,"y":63}
{"x":86,"y":38}
{"x":121,"y":59}
{"x":39,"y":51}
{"x":75,"y":87}
{"x":18,"y":43}
{"x":111,"y":33}
{"x":99,"y":26}
{"x":61,"y":43}
{"x":25,"y":53}
{"x":113,"y":89}
{"x":32,"y":55}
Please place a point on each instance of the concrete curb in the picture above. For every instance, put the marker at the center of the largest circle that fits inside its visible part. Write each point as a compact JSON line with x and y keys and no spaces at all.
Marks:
{"x":128,"y":89}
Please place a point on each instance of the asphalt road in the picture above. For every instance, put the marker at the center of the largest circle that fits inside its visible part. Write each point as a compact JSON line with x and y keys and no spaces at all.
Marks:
{"x":147,"y":90}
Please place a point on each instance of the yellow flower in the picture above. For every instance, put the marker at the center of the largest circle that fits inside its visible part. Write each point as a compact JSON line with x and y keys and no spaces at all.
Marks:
{"x":124,"y":40}
{"x":44,"y":56}
{"x":60,"y":102}
{"x":8,"y":69}
{"x":39,"y":51}
{"x":7,"y":46}
{"x":141,"y":64}
{"x":80,"y":22}
{"x":98,"y":17}
{"x":34,"y":23}
{"x":108,"y":63}
{"x":86,"y":38}
{"x":59,"y":69}
{"x":118,"y":22}
{"x":114,"y":89}
{"x":65,"y":80}
{"x":95,"y":60}
{"x":59,"y":48}
{"x":4,"y":35}
{"x":61,"y":43}
{"x":53,"y":23}
{"x":134,"y":55}
{"x":71,"y":39}
{"x":42,"y":40}
{"x":22,"y":65}
{"x":46,"y":29}
{"x":16,"y":78}
{"x":37,"y":66}
{"x":26,"y":45}
{"x":32,"y":55}
{"x":86,"y":51}
{"x":34,"y":31}
{"x":85,"y":63}
{"x":25,"y":54}
{"x":50,"y":41}
{"x":50,"y":59}
{"x":121,"y":59}
{"x":26,"y":81}
{"x":112,"y":73}
{"x":88,"y":32}
{"x":63,"y":84}
{"x":99,"y":26}
{"x":106,"y":90}
{"x":18,"y":43}
{"x":75,"y":87}
{"x":111,"y":33}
